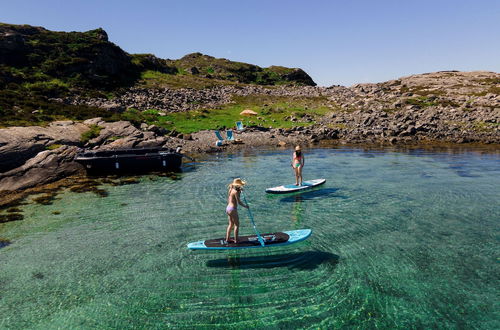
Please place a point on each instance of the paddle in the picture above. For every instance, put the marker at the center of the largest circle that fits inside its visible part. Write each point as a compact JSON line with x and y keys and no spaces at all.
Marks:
{"x":253,"y":222}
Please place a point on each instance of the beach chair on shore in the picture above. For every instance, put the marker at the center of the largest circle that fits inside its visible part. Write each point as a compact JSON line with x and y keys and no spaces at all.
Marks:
{"x":239,"y":126}
{"x":220,"y":139}
{"x":230,"y":138}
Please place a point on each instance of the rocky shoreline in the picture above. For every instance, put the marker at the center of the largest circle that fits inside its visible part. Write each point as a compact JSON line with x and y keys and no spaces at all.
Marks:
{"x":454,"y":107}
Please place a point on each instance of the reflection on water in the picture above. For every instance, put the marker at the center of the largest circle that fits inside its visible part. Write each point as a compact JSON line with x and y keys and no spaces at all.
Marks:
{"x":401,"y":239}
{"x":312,"y":194}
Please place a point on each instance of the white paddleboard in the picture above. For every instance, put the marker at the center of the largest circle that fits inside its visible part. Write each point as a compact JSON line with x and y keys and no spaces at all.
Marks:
{"x":288,"y":188}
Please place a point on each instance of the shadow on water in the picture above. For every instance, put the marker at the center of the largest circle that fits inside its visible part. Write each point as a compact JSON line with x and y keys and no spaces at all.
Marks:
{"x":467,"y":174}
{"x":308,"y":260}
{"x":461,"y":170}
{"x":312,"y":194}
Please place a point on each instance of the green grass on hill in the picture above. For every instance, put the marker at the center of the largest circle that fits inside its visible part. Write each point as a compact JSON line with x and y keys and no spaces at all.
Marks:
{"x":209,"y":67}
{"x":424,"y":101}
{"x":155,"y":79}
{"x":272,"y":112}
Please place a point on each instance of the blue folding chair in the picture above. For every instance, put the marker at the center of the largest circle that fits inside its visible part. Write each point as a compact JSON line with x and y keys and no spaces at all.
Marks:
{"x":239,"y":126}
{"x":229,"y":134}
{"x":220,"y":139}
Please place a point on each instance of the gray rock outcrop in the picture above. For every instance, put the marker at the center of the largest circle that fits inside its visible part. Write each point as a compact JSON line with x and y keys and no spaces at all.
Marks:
{"x":47,"y":166}
{"x":19,"y":144}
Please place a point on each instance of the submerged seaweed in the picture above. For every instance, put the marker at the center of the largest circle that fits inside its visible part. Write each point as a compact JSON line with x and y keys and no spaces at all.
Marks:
{"x":11,"y":217}
{"x":46,"y":199}
{"x":11,"y":201}
{"x":4,"y":242}
{"x":129,"y":181}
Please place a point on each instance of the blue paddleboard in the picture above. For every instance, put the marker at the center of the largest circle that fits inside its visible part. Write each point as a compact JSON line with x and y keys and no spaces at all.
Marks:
{"x":288,"y":188}
{"x":245,"y":242}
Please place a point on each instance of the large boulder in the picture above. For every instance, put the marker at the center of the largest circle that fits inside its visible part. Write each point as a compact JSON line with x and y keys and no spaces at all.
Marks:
{"x":114,"y":131}
{"x":47,"y":166}
{"x":18,"y":144}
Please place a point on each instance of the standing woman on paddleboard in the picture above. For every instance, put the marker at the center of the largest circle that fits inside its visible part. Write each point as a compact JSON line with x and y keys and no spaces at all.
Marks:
{"x":233,"y":199}
{"x":298,"y":164}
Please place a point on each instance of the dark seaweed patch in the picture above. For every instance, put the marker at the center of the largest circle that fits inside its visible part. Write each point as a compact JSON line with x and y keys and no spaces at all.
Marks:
{"x":38,"y":276}
{"x":46,"y":199}
{"x":4,"y":242}
{"x":101,"y":192}
{"x":11,"y":217}
{"x":129,"y":181}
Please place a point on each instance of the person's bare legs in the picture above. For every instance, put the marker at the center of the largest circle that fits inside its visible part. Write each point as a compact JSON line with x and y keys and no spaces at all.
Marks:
{"x":296,"y":170}
{"x":229,"y":227}
{"x":299,"y":170}
{"x":236,"y":223}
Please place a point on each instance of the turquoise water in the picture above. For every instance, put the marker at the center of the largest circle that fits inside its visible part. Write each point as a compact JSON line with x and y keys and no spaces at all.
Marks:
{"x":400,"y":240}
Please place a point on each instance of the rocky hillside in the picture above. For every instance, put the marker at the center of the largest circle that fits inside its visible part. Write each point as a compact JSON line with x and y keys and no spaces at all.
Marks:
{"x":37,"y":64}
{"x":453,"y":89}
{"x":210,"y":67}
{"x":441,"y":106}
{"x":88,"y":59}
{"x":36,"y":58}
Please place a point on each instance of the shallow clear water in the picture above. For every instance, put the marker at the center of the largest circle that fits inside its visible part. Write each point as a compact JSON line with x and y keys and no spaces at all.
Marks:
{"x":400,"y":240}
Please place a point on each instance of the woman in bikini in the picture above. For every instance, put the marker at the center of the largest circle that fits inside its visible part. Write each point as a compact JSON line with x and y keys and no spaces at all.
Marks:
{"x":298,"y":164}
{"x":233,"y":199}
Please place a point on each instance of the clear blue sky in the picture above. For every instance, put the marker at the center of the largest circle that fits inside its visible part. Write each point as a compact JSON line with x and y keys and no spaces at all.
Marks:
{"x":336,"y":42}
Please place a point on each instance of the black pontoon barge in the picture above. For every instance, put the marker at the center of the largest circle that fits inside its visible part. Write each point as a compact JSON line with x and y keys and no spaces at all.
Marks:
{"x":130,"y":160}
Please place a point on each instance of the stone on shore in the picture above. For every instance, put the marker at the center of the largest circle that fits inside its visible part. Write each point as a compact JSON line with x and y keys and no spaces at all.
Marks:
{"x":47,"y":166}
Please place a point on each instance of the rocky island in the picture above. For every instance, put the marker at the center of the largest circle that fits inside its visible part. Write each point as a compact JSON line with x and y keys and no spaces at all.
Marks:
{"x":64,"y":91}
